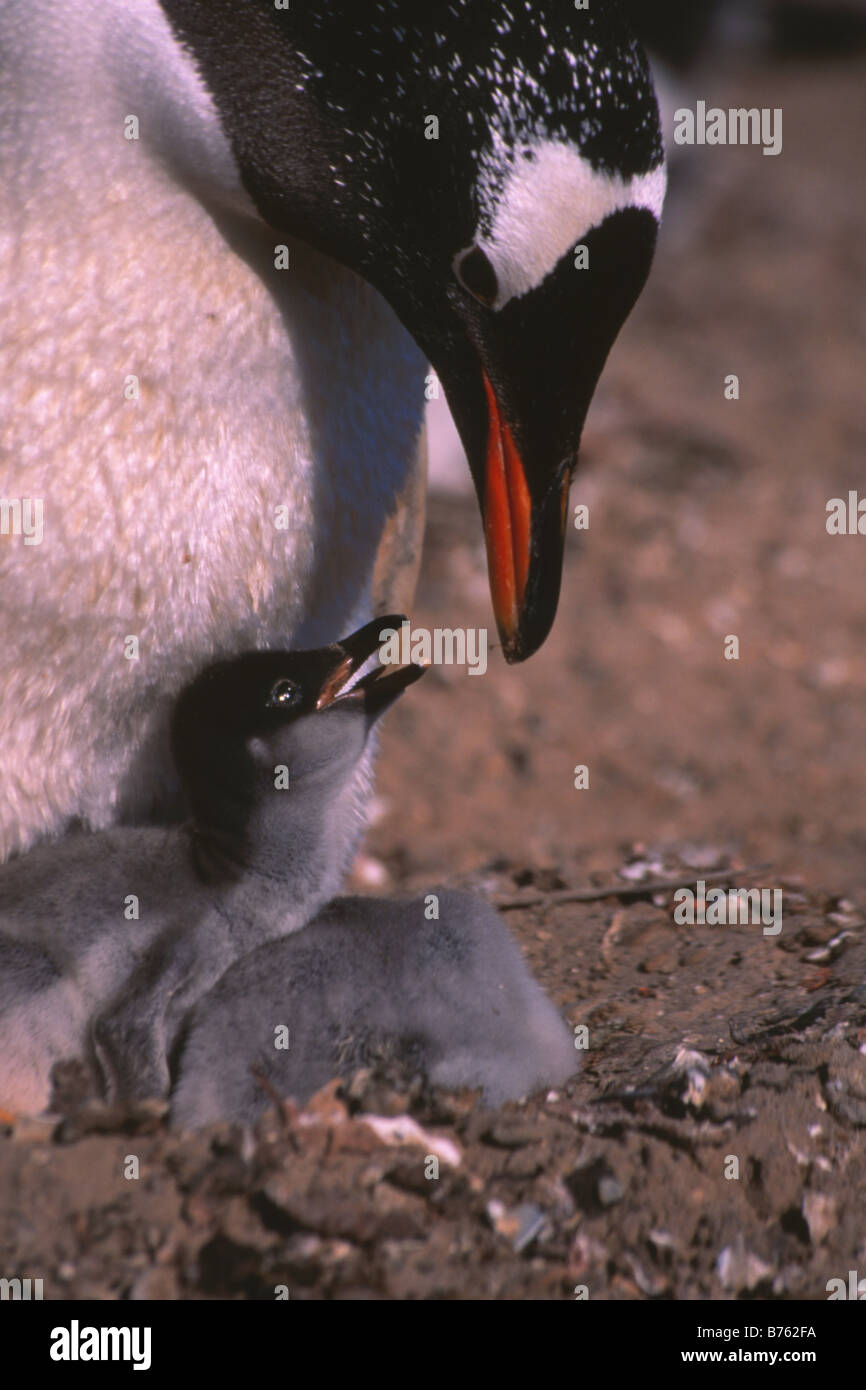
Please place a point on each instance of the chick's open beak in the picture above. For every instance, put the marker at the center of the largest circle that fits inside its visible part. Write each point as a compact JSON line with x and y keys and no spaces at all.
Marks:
{"x":358,"y":676}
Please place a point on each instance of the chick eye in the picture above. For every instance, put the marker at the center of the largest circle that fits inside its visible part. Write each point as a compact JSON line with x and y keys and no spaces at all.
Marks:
{"x":284,"y":694}
{"x":477,"y":275}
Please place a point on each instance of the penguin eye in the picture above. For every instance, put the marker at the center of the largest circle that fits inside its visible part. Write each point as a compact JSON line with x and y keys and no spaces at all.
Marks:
{"x":284,"y":695}
{"x":477,"y":275}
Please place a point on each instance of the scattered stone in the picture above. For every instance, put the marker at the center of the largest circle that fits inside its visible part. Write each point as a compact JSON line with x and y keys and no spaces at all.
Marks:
{"x":610,"y":1191}
{"x":521,"y":1225}
{"x":662,"y":1241}
{"x":820,"y":1212}
{"x":532,"y":1223}
{"x":696,"y":1069}
{"x":402,"y":1129}
{"x":642,"y":869}
{"x":738,"y":1269}
{"x":704,"y":857}
{"x":594,"y":1186}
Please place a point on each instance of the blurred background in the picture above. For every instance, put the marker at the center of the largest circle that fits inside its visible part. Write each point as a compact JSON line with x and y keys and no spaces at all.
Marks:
{"x":707,"y":518}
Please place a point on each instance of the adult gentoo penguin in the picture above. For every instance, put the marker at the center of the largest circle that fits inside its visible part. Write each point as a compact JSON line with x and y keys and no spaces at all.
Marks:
{"x":222,"y":438}
{"x":107,"y":940}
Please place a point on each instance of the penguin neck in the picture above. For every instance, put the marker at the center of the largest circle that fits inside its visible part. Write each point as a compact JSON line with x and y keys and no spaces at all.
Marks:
{"x":278,"y":855}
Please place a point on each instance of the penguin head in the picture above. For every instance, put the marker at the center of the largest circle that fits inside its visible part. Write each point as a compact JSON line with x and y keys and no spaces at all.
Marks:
{"x":283,"y":721}
{"x":495,"y":170}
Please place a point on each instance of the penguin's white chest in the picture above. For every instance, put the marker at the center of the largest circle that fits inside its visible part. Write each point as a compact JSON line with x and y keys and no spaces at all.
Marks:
{"x":215,"y":445}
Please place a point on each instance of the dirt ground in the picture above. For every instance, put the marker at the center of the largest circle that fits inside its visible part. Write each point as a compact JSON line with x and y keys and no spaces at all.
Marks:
{"x":707,"y":1044}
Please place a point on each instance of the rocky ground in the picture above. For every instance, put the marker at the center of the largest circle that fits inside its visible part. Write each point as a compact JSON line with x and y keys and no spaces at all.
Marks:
{"x":711,"y":1146}
{"x":707,"y":1044}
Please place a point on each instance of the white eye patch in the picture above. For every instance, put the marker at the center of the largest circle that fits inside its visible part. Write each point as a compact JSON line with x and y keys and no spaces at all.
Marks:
{"x":546,"y":205}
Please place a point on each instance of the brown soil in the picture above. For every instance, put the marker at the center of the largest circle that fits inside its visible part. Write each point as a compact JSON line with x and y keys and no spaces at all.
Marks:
{"x":707,"y":519}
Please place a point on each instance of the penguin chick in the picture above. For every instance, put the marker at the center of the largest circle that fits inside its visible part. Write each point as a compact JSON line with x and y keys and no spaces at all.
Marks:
{"x":370,"y":978}
{"x":107,"y":940}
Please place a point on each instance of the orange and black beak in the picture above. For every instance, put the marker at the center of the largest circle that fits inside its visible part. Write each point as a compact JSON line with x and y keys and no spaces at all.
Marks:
{"x":519,"y":385}
{"x":524,"y":539}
